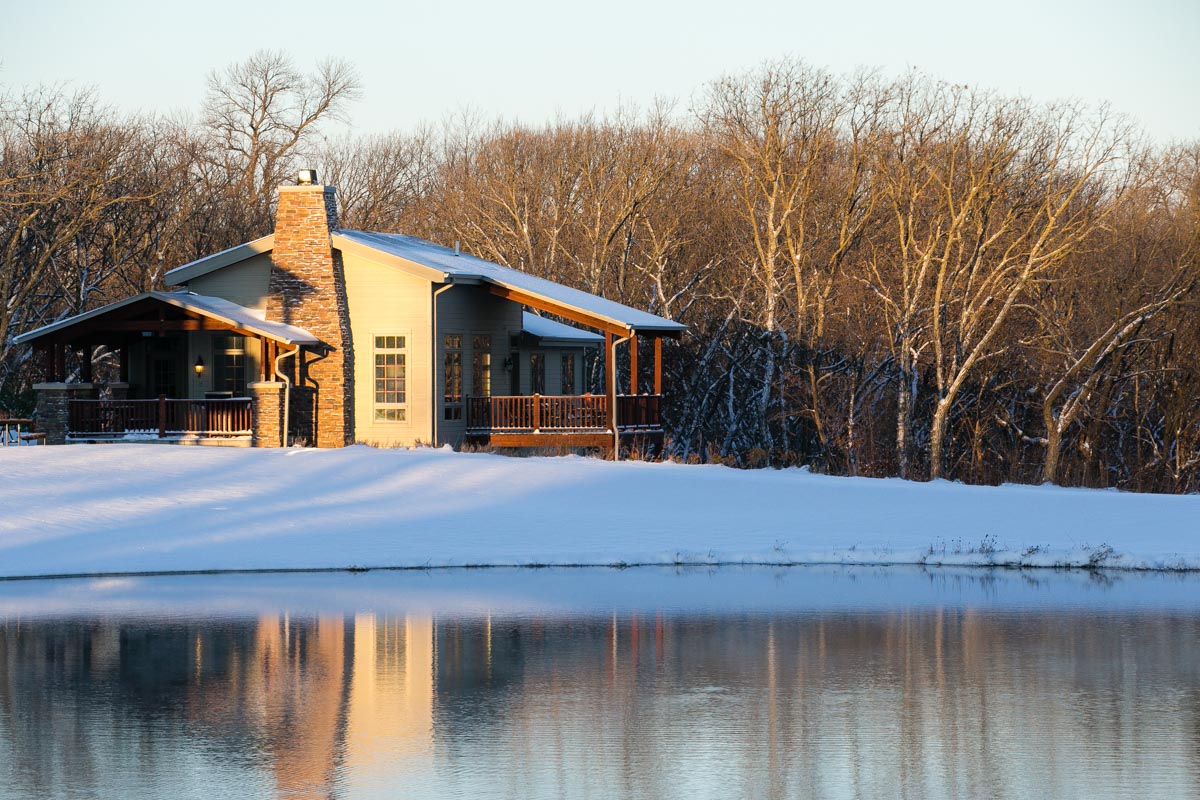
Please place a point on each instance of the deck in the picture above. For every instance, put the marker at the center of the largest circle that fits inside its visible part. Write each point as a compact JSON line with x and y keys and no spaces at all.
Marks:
{"x":564,"y":421}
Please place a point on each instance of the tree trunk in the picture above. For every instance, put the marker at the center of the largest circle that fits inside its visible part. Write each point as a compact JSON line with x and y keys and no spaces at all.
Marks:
{"x":937,"y":438}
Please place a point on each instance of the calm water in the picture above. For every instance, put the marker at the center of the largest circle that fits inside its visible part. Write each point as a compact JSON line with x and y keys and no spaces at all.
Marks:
{"x":590,"y":683}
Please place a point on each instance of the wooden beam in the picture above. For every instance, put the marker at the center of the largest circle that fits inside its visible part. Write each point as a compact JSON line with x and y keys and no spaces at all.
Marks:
{"x":658,"y":365}
{"x":560,"y":309}
{"x":171,"y":325}
{"x":633,"y":364}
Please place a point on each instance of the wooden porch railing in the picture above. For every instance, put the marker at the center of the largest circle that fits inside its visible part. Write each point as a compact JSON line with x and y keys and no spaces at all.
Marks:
{"x":161,"y":417}
{"x":19,"y":432}
{"x":561,"y":413}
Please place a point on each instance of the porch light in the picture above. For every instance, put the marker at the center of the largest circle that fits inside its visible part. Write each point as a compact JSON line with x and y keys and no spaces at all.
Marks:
{"x":199,"y":366}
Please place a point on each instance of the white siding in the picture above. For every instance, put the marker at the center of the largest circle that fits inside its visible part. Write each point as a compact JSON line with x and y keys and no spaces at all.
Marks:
{"x":384,"y":301}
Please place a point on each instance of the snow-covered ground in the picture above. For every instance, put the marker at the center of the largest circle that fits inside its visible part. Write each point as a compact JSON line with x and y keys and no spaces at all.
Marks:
{"x":148,"y":508}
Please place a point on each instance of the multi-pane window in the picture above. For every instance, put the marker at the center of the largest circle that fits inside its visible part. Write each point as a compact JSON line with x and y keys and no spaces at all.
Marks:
{"x":391,"y":398}
{"x":229,"y":369}
{"x":452,"y":375}
{"x":568,"y":373}
{"x":164,"y":378}
{"x":537,"y":373}
{"x":481,"y":365}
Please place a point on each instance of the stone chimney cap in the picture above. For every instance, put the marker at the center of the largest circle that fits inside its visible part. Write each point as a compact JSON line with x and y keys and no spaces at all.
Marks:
{"x":306,"y":177}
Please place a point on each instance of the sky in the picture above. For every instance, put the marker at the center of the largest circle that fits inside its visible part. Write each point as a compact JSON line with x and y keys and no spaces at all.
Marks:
{"x":533,"y":60}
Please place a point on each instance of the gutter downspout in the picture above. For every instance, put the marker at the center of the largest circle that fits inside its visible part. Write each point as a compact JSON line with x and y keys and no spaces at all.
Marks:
{"x":613,"y":379}
{"x":287,"y":388}
{"x":434,"y":349}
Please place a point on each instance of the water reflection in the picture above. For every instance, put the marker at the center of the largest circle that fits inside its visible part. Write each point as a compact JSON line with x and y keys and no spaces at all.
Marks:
{"x":947,"y":702}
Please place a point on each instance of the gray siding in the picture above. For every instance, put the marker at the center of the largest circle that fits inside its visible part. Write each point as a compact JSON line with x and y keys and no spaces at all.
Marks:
{"x":469,"y":311}
{"x":245,"y":283}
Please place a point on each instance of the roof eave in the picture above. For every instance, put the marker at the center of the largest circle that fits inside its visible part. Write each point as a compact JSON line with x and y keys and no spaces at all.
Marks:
{"x":202,"y":266}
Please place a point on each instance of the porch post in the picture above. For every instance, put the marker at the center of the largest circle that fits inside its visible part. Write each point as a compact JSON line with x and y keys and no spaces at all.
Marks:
{"x":610,"y":381}
{"x":53,"y":414}
{"x":658,"y":365}
{"x":633,"y":365}
{"x":85,"y":363}
{"x":267,"y":411}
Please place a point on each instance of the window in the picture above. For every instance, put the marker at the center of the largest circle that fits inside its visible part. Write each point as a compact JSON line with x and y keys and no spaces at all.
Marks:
{"x":229,"y":369}
{"x":481,"y":365}
{"x":515,"y":361}
{"x":452,"y":375}
{"x":390,"y":390}
{"x":568,"y":373}
{"x":537,"y":373}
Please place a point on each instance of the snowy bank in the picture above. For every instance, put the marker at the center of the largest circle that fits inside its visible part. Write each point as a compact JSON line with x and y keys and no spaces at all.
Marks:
{"x":150,"y":508}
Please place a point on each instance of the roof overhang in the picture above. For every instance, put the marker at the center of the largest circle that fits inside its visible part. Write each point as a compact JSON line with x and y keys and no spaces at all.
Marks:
{"x":203,"y":266}
{"x":143,"y":315}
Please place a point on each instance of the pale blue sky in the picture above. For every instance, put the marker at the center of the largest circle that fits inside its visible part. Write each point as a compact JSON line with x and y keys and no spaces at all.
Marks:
{"x":530,"y":60}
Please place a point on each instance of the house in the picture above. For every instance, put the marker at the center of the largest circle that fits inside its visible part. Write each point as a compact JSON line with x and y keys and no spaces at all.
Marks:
{"x":326,"y":336}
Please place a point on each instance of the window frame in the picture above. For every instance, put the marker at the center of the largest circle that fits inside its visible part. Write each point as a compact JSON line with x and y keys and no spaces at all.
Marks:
{"x":376,"y":404}
{"x":483,"y":369}
{"x":537,"y":358}
{"x":566,"y":358}
{"x":452,"y":409}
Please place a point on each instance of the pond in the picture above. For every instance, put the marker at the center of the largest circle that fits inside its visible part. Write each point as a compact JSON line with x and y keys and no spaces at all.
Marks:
{"x":641,"y":683}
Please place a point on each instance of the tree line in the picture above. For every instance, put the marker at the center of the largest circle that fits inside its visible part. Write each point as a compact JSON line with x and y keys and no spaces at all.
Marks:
{"x":883,"y":277}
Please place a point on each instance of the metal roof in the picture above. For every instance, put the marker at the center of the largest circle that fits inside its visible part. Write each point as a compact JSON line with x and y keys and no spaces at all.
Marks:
{"x":544,"y":328}
{"x":461,"y":266}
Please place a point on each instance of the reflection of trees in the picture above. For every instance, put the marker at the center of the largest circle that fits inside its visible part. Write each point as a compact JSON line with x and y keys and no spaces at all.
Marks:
{"x":947,"y":702}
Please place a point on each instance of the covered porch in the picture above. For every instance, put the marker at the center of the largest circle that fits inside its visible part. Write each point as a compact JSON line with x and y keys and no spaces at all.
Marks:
{"x":627,"y":415}
{"x":188,"y":369}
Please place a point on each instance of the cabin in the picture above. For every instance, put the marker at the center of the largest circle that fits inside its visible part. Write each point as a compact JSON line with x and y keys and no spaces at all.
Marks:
{"x":323,"y":336}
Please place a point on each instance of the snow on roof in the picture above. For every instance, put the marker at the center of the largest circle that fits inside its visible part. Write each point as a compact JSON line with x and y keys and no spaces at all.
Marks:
{"x":464,"y":266}
{"x":214,"y":307}
{"x":248,"y":318}
{"x":549,"y":329}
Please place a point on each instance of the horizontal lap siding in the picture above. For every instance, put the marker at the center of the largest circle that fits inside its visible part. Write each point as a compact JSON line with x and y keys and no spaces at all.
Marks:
{"x":245,"y":283}
{"x":384,"y":301}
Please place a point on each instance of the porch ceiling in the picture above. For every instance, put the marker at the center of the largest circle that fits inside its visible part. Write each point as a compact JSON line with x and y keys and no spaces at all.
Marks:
{"x":164,"y":312}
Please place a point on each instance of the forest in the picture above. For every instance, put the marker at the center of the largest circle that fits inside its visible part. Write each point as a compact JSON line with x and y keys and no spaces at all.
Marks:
{"x":884,"y":276}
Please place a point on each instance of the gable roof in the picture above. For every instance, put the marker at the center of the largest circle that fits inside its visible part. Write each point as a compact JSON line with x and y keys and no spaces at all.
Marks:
{"x":215,"y":308}
{"x":443,"y":265}
{"x":549,"y":330}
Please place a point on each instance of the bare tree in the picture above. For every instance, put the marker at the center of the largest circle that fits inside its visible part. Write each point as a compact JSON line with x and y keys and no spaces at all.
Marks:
{"x":259,"y":116}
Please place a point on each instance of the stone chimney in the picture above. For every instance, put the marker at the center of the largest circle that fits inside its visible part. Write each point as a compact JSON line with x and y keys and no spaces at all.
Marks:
{"x":308,"y":289}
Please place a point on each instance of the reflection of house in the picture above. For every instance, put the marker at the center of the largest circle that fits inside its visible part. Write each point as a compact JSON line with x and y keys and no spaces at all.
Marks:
{"x":339,"y":336}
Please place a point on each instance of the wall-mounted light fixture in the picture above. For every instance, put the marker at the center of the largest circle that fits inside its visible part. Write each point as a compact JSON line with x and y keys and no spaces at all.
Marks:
{"x":508,"y":364}
{"x":199,"y":366}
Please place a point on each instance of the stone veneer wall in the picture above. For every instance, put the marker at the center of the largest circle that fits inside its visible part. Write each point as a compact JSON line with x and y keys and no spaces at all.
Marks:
{"x":308,"y":289}
{"x":52,"y":413}
{"x":268,"y":413}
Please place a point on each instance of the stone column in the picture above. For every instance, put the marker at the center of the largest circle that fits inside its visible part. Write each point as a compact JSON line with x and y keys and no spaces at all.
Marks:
{"x":268,"y":413}
{"x":53,"y":404}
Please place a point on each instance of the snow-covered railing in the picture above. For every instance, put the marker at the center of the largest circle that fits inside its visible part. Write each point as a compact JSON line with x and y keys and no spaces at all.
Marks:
{"x":160,"y":418}
{"x":19,"y":433}
{"x":561,"y":413}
